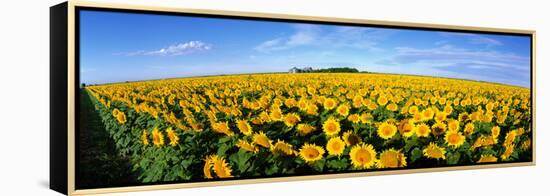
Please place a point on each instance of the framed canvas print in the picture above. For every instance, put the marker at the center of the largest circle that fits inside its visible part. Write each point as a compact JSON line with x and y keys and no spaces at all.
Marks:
{"x":146,"y":98}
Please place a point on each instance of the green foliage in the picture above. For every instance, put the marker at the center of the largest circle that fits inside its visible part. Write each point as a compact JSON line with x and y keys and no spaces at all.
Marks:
{"x":416,"y":154}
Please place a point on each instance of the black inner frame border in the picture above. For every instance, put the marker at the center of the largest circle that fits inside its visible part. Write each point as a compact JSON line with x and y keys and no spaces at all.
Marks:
{"x":250,"y":18}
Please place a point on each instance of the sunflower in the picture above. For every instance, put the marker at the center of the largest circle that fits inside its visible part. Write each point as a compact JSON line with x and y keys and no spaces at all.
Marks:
{"x":290,"y":102}
{"x":456,"y":102}
{"x":495,"y":131}
{"x":115,"y":112}
{"x":354,"y":118}
{"x":448,"y":109}
{"x":509,"y":149}
{"x":362,"y":156}
{"x":222,"y":168}
{"x":468,"y":101}
{"x":222,"y":127}
{"x":427,"y":114}
{"x":417,"y":117}
{"x":454,"y":139}
{"x":351,"y":139}
{"x":329,"y":104}
{"x":247,"y":146}
{"x":312,"y":109}
{"x":207,"y":169}
{"x":211,"y":116}
{"x":417,"y":101}
{"x":439,"y":128}
{"x":463,"y":117}
{"x":343,"y":110}
{"x":372,"y":106}
{"x":413,"y":110}
{"x":488,"y":140}
{"x":366,"y":118}
{"x":256,"y":105}
{"x":245,"y":103}
{"x":392,"y":158}
{"x":304,"y":129}
{"x":291,"y":119}
{"x":406,"y":127}
{"x":434,"y":151}
{"x":282,"y":148}
{"x":440,"y":116}
{"x":331,"y":127}
{"x":196,"y":126}
{"x":261,"y":139}
{"x":422,"y":130}
{"x":335,"y":146}
{"x":392,"y":107}
{"x":453,"y":125}
{"x":302,"y":104}
{"x":276,"y":105}
{"x":276,"y":115}
{"x":521,"y":131}
{"x":487,"y":159}
{"x":145,"y":138}
{"x":311,"y":90}
{"x":525,"y":145}
{"x":475,"y":116}
{"x":174,"y":139}
{"x":489,"y":106}
{"x":367,"y":102}
{"x":488,"y":117}
{"x":477,"y":143}
{"x":386,"y":130}
{"x":256,"y":121}
{"x":501,"y":118}
{"x":244,"y":127}
{"x":442,"y":100}
{"x":158,"y":137}
{"x":120,"y":116}
{"x":469,"y":129}
{"x":382,"y":100}
{"x":357,"y":101}
{"x":311,"y":152}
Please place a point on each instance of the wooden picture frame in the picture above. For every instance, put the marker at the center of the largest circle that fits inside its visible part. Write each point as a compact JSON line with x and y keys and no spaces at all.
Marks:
{"x":65,"y":87}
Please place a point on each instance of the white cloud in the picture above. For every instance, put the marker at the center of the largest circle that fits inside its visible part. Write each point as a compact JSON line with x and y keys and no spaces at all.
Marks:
{"x":304,"y":35}
{"x":311,"y":35}
{"x":480,"y":67}
{"x":356,"y":37}
{"x":485,"y":41}
{"x":450,"y":61}
{"x":476,"y":39}
{"x":174,"y":50}
{"x":441,"y":42}
{"x":271,"y":45}
{"x":453,"y":55}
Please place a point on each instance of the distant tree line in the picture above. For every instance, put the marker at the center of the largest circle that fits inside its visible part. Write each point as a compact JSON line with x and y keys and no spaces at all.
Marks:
{"x":327,"y":70}
{"x":336,"y":70}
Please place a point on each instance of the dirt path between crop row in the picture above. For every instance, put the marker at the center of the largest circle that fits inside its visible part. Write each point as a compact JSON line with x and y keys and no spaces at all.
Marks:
{"x":98,"y":163}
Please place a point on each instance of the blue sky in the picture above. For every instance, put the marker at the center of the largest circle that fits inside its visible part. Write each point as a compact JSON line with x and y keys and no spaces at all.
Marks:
{"x":117,"y":47}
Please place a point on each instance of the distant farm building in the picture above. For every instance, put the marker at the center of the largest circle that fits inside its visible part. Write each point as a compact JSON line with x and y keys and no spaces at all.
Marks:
{"x":298,"y":70}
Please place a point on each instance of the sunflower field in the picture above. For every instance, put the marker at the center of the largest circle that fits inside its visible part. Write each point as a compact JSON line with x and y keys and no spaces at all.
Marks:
{"x":259,"y":125}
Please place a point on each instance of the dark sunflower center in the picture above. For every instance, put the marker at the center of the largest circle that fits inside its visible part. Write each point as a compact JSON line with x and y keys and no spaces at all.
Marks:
{"x":438,"y":131}
{"x":353,"y":139}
